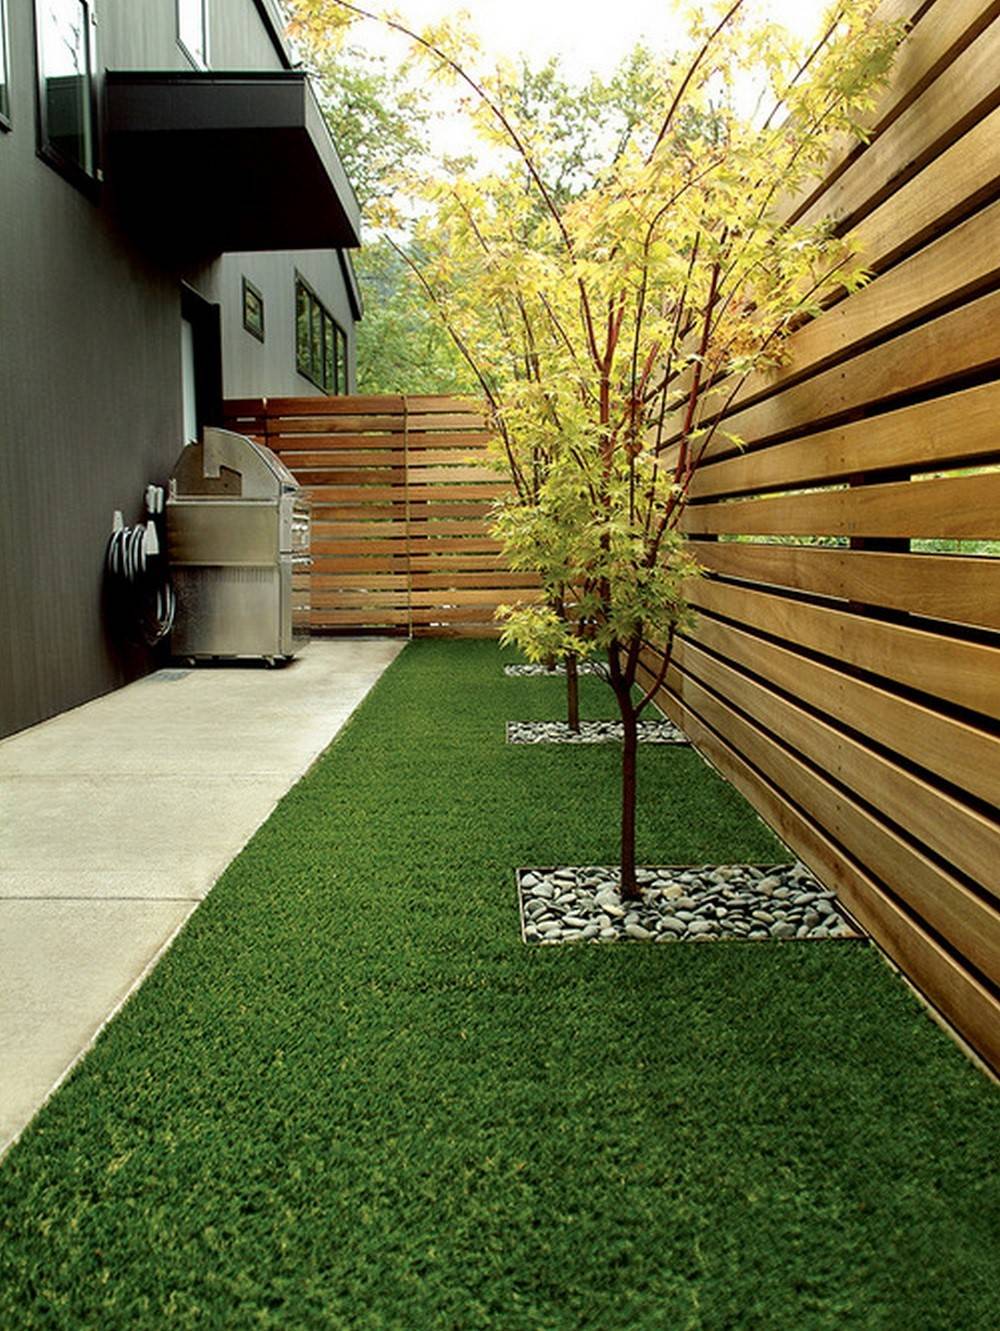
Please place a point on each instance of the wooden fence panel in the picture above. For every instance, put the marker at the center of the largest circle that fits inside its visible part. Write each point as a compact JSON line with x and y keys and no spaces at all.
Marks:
{"x":844,"y":668}
{"x":401,"y":494}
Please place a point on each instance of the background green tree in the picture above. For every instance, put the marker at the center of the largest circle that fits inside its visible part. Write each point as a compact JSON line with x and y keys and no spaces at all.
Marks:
{"x":379,"y":114}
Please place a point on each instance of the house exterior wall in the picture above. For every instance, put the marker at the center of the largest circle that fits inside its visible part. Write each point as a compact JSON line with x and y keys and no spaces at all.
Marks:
{"x":254,"y":369}
{"x":142,"y":34}
{"x":90,"y":366}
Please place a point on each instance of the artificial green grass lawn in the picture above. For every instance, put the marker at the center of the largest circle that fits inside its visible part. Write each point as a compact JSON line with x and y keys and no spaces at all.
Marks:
{"x":350,"y":1097}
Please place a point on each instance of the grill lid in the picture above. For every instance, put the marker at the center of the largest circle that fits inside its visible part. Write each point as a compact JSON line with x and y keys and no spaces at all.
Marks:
{"x":230,"y":465}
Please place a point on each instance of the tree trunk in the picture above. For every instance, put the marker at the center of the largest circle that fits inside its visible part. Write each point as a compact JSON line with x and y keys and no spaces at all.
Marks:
{"x":572,"y":693}
{"x":630,"y":747}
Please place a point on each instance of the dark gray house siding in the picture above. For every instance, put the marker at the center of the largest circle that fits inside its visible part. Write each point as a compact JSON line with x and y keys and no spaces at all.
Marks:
{"x":142,"y":34}
{"x":253,"y":369}
{"x":90,"y":362}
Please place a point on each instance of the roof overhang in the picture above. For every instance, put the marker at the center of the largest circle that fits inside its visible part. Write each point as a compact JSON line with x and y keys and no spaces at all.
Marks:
{"x":207,"y":163}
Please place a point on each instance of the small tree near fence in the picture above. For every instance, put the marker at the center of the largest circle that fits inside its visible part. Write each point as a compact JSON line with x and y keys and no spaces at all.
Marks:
{"x":611,"y":327}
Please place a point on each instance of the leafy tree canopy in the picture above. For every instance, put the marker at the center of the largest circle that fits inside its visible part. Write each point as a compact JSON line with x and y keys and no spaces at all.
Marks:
{"x":614,"y":293}
{"x":381,"y":114}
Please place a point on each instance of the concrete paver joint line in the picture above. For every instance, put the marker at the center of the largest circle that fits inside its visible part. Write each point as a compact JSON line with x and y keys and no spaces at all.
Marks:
{"x":99,"y":872}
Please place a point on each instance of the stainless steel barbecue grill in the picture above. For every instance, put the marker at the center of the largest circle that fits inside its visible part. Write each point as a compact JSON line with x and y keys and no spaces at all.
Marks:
{"x":238,"y":541}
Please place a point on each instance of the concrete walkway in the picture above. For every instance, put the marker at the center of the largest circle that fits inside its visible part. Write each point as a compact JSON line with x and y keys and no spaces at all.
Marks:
{"x":115,"y":821}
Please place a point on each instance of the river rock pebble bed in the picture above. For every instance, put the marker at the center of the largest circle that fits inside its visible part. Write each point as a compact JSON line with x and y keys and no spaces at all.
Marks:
{"x":543,"y":672}
{"x":680,"y":904}
{"x":590,"y":732}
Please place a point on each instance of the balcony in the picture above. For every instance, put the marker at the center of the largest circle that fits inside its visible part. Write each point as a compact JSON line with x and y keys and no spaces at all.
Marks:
{"x":201,"y":164}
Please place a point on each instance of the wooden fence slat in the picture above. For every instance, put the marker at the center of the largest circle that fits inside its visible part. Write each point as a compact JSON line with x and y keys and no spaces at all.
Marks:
{"x":954,"y":751}
{"x":360,"y":580}
{"x":442,"y":563}
{"x":344,"y":598}
{"x":960,"y":342}
{"x":964,"y":673}
{"x":425,"y":431}
{"x":915,"y":437}
{"x":931,"y":816}
{"x":328,"y":513}
{"x":474,"y":578}
{"x":377,"y":474}
{"x":459,"y":474}
{"x":360,"y":564}
{"x":446,"y":545}
{"x":485,"y":630}
{"x":960,"y":97}
{"x":360,"y":461}
{"x":318,"y":441}
{"x":938,"y":901}
{"x":946,"y":28}
{"x":486,"y":491}
{"x":384,"y":580}
{"x":354,"y":405}
{"x":957,"y":265}
{"x":375,"y":530}
{"x":960,"y":588}
{"x":327,"y":517}
{"x":960,"y":508}
{"x":447,"y":614}
{"x":482,"y":596}
{"x":324,"y":618}
{"x":950,"y":188}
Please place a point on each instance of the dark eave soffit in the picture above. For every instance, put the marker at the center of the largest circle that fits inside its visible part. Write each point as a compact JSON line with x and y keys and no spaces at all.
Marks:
{"x":206,"y":163}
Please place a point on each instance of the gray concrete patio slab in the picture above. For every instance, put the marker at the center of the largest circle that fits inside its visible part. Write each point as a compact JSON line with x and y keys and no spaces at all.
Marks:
{"x":67,"y":965}
{"x":117,"y":818}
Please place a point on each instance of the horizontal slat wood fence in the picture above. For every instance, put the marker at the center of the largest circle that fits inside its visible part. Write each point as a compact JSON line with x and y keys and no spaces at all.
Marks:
{"x":844,"y":670}
{"x":401,"y":496}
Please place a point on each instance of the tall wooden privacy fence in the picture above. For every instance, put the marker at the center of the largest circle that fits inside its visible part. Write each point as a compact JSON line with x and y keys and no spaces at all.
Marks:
{"x":845,"y":667}
{"x":401,"y":500}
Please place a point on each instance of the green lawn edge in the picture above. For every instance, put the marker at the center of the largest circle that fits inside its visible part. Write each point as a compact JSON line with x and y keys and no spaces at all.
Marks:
{"x":350,"y":1097}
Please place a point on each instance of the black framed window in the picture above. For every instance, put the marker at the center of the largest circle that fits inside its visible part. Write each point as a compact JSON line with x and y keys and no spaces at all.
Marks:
{"x":4,"y":70}
{"x":253,"y":310}
{"x":330,"y":353}
{"x":320,"y":342}
{"x":67,"y":101}
{"x":316,"y":343}
{"x":192,"y":30}
{"x":341,"y":365}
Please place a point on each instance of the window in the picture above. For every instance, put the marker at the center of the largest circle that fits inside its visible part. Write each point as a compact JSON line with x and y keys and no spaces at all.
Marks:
{"x":192,"y":31}
{"x":4,"y":77}
{"x":67,"y":113}
{"x":253,"y":310}
{"x":320,"y":342}
{"x":341,"y":361}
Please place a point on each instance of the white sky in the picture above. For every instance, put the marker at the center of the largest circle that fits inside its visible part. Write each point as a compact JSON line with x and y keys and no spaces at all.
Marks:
{"x":587,"y":34}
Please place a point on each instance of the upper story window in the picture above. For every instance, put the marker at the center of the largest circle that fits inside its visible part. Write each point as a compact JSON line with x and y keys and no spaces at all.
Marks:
{"x":67,"y":107}
{"x":4,"y":75}
{"x":320,"y":342}
{"x":253,"y":310}
{"x":192,"y":30}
